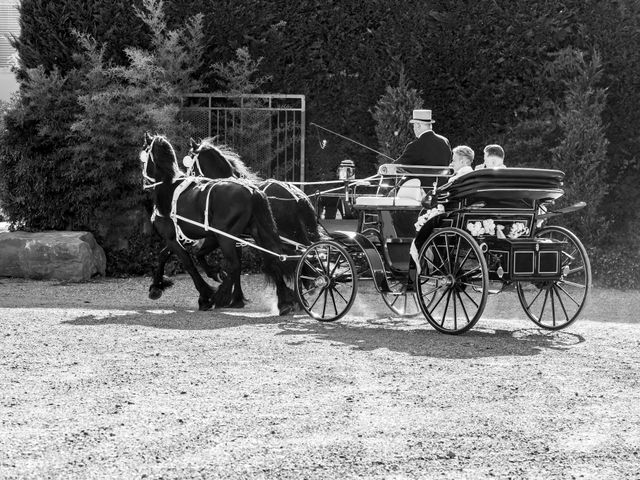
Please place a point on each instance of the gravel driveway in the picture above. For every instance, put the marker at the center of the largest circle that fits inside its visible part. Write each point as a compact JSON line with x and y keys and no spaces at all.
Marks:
{"x":97,"y":381}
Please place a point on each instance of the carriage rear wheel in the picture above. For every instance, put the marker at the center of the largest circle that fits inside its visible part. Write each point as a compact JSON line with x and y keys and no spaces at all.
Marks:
{"x":453,"y":280}
{"x":555,"y":304}
{"x":399,"y":301}
{"x":326,"y":281}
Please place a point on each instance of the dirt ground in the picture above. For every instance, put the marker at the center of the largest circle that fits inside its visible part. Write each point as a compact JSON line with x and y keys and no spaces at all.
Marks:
{"x":98,"y":381}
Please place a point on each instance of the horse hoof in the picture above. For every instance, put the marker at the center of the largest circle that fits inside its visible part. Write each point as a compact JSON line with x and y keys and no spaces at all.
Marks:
{"x":286,"y":310}
{"x":237,"y":304}
{"x":204,"y":305}
{"x":155,"y":293}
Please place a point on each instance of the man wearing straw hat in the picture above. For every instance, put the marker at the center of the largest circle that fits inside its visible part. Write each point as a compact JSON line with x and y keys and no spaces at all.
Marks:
{"x":429,"y":148}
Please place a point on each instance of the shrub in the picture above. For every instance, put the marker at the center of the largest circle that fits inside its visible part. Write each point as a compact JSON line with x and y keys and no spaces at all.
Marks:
{"x":391,"y":116}
{"x":69,"y":156}
{"x":616,"y":265}
{"x":582,"y":150}
{"x":46,"y":31}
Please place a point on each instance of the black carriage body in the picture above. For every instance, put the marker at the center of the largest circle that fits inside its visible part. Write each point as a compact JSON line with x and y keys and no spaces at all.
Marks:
{"x":508,"y":200}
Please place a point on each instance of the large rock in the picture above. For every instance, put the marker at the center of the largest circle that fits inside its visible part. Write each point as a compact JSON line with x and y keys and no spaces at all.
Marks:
{"x":72,"y":256}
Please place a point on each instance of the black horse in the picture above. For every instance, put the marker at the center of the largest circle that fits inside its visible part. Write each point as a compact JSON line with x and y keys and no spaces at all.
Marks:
{"x":293,"y":212}
{"x":187,"y":209}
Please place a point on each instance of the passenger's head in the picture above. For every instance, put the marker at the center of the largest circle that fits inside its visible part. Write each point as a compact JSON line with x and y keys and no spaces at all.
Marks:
{"x":493,"y":156}
{"x":462,"y":156}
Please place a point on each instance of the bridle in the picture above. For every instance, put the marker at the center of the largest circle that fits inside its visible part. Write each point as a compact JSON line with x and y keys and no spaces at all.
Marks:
{"x":192,"y":160}
{"x":146,"y":156}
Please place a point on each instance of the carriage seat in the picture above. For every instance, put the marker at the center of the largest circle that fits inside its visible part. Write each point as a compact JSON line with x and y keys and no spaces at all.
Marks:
{"x":409,"y":194}
{"x":517,"y":184}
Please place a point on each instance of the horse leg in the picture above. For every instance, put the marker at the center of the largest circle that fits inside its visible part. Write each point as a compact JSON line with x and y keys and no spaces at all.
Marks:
{"x":160,"y":282}
{"x":273,"y":268}
{"x":215,"y":271}
{"x":238,"y":295}
{"x":207,"y":293}
{"x":226,"y":297}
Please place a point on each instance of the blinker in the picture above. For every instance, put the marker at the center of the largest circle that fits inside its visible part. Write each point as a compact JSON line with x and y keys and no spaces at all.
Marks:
{"x":188,"y":161}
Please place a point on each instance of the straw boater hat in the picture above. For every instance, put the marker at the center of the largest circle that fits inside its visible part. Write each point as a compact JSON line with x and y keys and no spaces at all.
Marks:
{"x":421,"y":116}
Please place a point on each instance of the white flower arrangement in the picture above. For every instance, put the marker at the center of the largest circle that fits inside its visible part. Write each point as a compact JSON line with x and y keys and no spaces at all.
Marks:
{"x":489,"y":227}
{"x":518,"y":229}
{"x":475,"y":228}
{"x":432,"y":212}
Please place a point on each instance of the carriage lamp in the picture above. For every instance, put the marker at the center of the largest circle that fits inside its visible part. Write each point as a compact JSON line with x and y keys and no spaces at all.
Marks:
{"x":347,"y":170}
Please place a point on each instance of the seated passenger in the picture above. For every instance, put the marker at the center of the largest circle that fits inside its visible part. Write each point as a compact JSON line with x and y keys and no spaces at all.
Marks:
{"x":493,"y":157}
{"x":462,"y":160}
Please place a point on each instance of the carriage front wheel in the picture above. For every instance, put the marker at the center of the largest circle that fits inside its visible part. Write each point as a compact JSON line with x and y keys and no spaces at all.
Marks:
{"x":453,"y":280}
{"x":555,"y":304}
{"x":326,"y":281}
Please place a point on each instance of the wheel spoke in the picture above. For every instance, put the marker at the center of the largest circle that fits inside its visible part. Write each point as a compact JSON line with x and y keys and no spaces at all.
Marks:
{"x":446,"y":307}
{"x":333,"y":300}
{"x":335,"y":267}
{"x":544,"y":304}
{"x":568,"y":295}
{"x":472,"y":300}
{"x":553,"y":307}
{"x":463,"y":307}
{"x":455,"y":311}
{"x":434,"y":265}
{"x":575,"y":270}
{"x":573,"y":284}
{"x":431,"y":291}
{"x":446,"y":246}
{"x":534,"y":299}
{"x":338,"y":292}
{"x":438,"y":302}
{"x":476,"y":269}
{"x":463,"y":261}
{"x":317,"y":298}
{"x":315,"y":269}
{"x":328,"y":268}
{"x":435,"y":248}
{"x":305,"y":292}
{"x":324,"y":305}
{"x":561,"y":303}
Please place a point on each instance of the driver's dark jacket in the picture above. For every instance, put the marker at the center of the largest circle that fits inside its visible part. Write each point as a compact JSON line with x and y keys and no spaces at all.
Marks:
{"x":429,"y":149}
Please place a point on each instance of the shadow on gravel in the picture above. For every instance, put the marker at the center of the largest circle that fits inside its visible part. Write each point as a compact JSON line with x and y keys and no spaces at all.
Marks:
{"x":480,"y":342}
{"x":177,"y":320}
{"x":377,"y":333}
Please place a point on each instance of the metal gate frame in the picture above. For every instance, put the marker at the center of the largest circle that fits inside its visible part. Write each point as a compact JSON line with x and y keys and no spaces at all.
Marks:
{"x":211,"y":103}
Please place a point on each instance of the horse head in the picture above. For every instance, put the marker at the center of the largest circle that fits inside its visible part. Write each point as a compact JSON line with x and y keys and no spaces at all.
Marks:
{"x":158,"y":160}
{"x":219,"y":161}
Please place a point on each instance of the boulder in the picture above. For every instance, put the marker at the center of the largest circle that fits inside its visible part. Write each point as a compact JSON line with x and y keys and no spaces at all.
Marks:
{"x":60,"y":255}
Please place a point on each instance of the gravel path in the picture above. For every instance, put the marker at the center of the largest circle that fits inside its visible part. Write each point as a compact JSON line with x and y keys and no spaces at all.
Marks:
{"x":97,"y":381}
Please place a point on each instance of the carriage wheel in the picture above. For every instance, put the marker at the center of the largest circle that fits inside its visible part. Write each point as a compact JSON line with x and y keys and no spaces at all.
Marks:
{"x":453,"y":283}
{"x":555,"y":304}
{"x":326,"y":281}
{"x":400,"y":301}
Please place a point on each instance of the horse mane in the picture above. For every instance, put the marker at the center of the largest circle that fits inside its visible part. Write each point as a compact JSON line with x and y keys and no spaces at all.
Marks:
{"x":167,"y":168}
{"x":238,"y":167}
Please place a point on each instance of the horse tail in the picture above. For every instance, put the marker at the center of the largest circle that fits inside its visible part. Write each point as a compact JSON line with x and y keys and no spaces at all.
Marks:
{"x":309,"y":221}
{"x":266,"y":236}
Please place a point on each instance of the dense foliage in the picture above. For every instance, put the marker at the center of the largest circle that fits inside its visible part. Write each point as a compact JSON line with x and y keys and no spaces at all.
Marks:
{"x":490,"y":71}
{"x":71,"y":143}
{"x":391,"y":114}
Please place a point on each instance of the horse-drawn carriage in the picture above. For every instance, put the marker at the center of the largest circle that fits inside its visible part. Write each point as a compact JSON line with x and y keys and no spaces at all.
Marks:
{"x":474,"y":236}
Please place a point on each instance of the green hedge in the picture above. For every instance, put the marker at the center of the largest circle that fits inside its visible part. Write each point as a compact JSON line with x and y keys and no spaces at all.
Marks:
{"x":480,"y":66}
